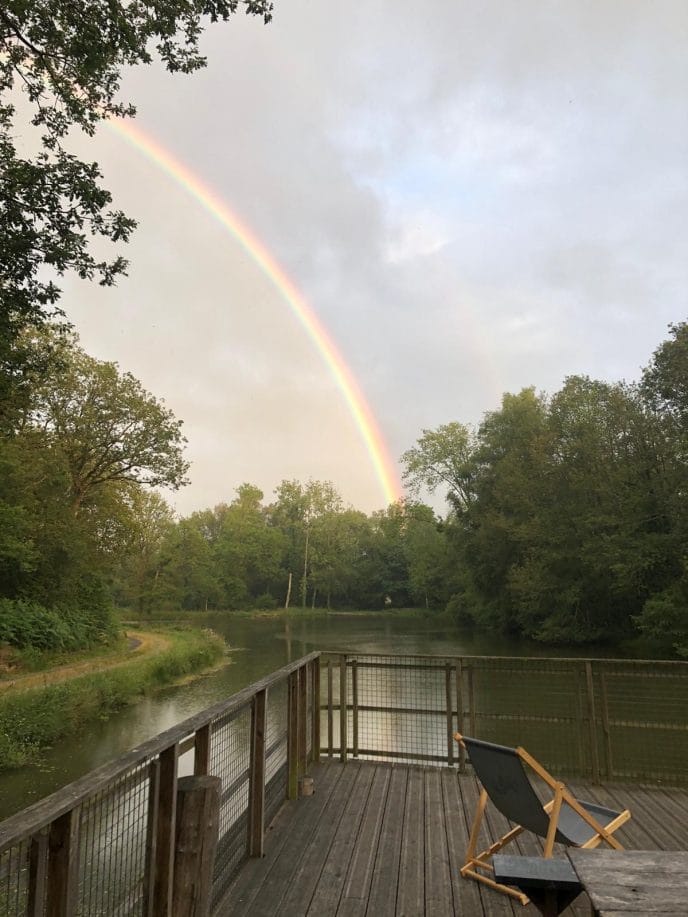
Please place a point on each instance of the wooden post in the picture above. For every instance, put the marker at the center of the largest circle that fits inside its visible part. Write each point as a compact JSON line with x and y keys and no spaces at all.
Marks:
{"x":471,"y":701}
{"x":580,"y":719}
{"x":38,"y":863}
{"x":315,"y":711}
{"x":330,"y":712}
{"x":63,"y":862}
{"x":592,"y":719}
{"x":303,"y":720}
{"x":449,"y":709}
{"x":458,"y":667}
{"x":165,"y":832}
{"x":354,"y":705}
{"x":202,"y":750}
{"x":605,"y":726}
{"x":256,"y":786}
{"x":293,"y":736}
{"x":198,"y":819}
{"x":343,"y":726}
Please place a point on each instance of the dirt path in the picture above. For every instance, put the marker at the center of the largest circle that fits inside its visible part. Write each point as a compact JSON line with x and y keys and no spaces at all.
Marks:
{"x":139,"y":644}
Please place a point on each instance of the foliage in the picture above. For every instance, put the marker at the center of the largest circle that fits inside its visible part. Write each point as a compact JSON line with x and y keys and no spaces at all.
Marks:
{"x":573,"y":526}
{"x":26,"y":624}
{"x":64,"y":62}
{"x":104,"y":425}
{"x":442,"y":458}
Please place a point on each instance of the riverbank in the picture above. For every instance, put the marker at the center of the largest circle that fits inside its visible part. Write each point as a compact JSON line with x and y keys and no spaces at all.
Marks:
{"x":38,"y":709}
{"x":128,"y":619}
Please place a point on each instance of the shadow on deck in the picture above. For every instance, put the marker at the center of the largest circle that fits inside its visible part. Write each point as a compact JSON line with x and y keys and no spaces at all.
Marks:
{"x":381,"y":839}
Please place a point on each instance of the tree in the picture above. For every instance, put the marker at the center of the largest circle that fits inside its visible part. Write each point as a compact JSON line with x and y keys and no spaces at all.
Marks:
{"x":665,"y":380}
{"x":147,"y":522}
{"x":304,"y":514}
{"x":442,"y":457}
{"x":107,"y":428}
{"x":248,"y":551}
{"x":426,"y":549}
{"x":67,"y":60}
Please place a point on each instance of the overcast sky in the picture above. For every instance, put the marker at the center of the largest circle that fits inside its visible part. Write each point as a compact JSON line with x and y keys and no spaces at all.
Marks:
{"x":474,"y":197}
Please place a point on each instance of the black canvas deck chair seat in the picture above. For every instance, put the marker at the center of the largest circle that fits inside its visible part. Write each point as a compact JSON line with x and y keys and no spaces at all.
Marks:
{"x":563,"y":819}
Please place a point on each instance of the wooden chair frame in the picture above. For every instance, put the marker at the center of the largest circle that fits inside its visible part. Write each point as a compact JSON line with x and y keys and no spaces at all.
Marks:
{"x":475,"y":861}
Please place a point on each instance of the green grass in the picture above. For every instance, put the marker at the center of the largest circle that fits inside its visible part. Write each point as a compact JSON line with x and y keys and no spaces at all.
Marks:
{"x":31,"y":659}
{"x":36,"y":718}
{"x":132,"y":619}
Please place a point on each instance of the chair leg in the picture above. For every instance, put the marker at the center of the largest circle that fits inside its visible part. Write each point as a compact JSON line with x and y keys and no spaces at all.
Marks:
{"x":554,"y":820}
{"x":478,"y":861}
{"x":504,"y":889}
{"x":475,"y":828}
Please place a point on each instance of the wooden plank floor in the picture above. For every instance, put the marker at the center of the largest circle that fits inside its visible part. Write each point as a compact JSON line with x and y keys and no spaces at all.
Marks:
{"x":388,"y":840}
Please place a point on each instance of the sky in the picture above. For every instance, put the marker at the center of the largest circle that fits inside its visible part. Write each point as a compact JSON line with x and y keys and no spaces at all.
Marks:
{"x":472,"y":197}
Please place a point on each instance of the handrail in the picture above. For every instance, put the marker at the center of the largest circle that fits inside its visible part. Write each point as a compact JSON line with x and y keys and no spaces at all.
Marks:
{"x":680,"y":663}
{"x":29,"y":821}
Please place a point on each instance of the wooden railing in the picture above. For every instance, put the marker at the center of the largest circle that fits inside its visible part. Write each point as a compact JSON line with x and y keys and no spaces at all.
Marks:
{"x":600,"y":719}
{"x":105,"y":844}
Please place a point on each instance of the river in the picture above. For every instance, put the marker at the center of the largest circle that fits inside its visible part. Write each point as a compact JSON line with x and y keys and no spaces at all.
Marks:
{"x":258,"y":647}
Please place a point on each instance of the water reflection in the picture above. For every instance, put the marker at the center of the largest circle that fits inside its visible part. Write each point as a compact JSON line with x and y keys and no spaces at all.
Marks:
{"x":259,"y":646}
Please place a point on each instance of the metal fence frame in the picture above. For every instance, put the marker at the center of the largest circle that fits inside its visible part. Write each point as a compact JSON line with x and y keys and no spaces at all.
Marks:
{"x":598,"y":719}
{"x":104,"y":845}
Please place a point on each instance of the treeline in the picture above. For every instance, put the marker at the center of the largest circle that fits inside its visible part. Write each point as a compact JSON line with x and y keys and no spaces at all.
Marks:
{"x":568,"y":519}
{"x":305,"y":549}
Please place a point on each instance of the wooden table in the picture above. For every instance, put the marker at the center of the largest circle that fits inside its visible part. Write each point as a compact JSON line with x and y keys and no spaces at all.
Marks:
{"x":628,"y":883}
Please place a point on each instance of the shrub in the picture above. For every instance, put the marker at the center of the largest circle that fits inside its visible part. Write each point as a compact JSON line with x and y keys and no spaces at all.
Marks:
{"x":25,"y":624}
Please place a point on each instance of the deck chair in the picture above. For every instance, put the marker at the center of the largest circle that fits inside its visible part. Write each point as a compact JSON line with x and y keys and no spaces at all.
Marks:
{"x":564,"y":819}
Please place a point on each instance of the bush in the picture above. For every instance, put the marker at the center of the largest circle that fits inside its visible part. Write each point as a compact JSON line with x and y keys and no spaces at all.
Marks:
{"x":25,"y":624}
{"x":266,"y":601}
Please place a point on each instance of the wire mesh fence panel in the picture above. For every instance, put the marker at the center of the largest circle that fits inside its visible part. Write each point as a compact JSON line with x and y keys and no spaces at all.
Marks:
{"x":113,"y":832}
{"x":541,"y":705}
{"x":309,"y":714}
{"x":398,"y":708}
{"x":230,"y":760}
{"x":595,"y":719}
{"x":276,"y":750}
{"x":14,"y":880}
{"x":643,"y":716}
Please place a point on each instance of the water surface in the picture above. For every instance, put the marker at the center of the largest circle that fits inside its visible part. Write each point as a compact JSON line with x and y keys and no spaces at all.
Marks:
{"x":258,"y":646}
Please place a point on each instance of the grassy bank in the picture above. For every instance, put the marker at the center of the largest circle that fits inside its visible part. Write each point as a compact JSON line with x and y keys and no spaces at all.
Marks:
{"x":130,"y":619}
{"x":37,"y":718}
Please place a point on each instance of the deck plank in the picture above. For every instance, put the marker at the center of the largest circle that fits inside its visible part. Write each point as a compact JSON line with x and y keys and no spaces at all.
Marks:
{"x":325,"y":899}
{"x":382,"y":900}
{"x":438,"y":887}
{"x":291,"y":862}
{"x":354,"y":899}
{"x":466,"y":895}
{"x":310,"y":872}
{"x":411,"y":884}
{"x":386,"y":840}
{"x":291,"y":829}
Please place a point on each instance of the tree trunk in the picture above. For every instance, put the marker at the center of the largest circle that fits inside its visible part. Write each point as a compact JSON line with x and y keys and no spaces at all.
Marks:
{"x":304,"y":583}
{"x":286,"y":604}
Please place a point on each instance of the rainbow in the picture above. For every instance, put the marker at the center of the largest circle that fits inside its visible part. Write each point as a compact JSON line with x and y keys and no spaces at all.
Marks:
{"x":356,"y":402}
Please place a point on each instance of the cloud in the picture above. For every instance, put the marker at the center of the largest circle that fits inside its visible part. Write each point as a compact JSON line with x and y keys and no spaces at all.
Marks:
{"x":473,"y":197}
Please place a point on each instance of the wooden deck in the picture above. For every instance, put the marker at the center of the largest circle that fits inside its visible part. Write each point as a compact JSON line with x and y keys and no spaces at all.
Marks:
{"x":382,"y":840}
